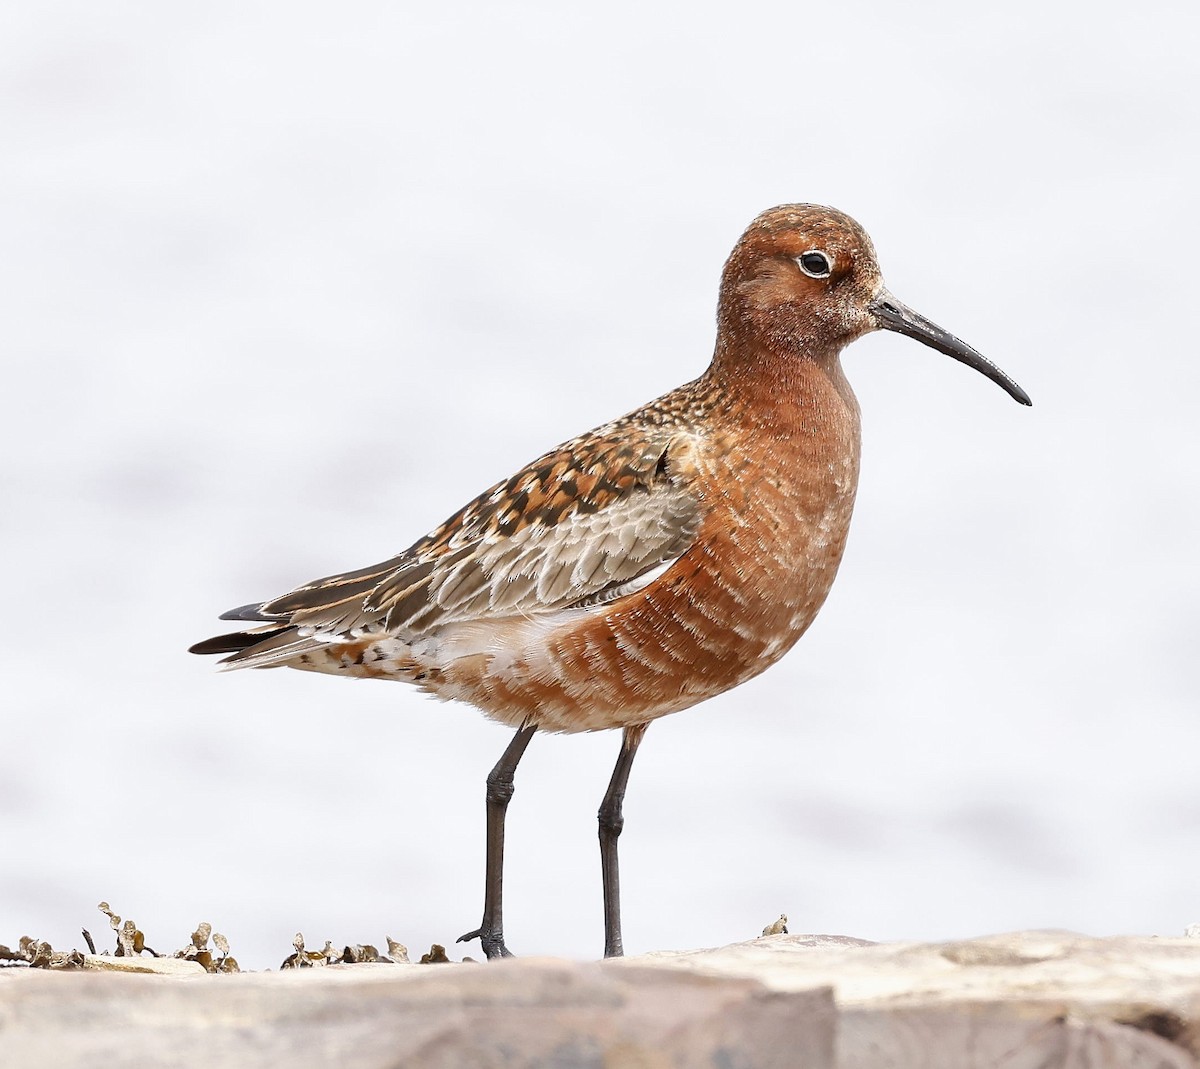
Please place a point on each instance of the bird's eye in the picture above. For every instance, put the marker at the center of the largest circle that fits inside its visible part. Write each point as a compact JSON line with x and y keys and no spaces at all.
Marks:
{"x":814,"y":264}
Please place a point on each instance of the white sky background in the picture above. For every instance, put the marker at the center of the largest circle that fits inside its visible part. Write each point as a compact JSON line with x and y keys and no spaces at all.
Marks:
{"x":283,"y":285}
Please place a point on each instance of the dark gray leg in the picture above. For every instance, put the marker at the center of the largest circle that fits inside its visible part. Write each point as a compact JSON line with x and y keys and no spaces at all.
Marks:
{"x":611,"y":823}
{"x":499,"y":790}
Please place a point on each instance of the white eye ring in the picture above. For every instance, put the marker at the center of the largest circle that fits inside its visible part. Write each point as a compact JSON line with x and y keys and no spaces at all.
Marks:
{"x":815,"y":264}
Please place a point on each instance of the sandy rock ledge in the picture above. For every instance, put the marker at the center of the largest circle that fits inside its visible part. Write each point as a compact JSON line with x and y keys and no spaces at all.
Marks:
{"x":1029,"y":1000}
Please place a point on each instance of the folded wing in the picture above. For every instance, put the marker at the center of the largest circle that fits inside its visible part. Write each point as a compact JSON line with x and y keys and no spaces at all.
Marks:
{"x":581,"y":525}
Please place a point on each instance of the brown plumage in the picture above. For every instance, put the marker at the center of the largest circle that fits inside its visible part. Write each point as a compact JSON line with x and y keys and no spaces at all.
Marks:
{"x":646,"y":565}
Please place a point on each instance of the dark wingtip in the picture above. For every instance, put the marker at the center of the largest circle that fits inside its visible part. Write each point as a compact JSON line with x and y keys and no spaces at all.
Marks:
{"x":252,"y":613}
{"x":209,"y":645}
{"x":233,"y":643}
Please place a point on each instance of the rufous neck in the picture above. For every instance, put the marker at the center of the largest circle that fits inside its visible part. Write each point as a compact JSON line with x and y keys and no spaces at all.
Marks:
{"x":766,"y":378}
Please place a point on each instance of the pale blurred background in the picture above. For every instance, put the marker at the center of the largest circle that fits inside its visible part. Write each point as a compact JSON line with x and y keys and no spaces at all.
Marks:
{"x":284,"y":284}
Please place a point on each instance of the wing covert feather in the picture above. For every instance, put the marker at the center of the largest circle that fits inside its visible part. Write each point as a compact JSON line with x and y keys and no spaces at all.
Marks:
{"x":576,"y":525}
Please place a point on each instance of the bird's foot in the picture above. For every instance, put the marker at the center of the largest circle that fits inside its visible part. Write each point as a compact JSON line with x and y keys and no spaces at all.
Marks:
{"x":492,"y":942}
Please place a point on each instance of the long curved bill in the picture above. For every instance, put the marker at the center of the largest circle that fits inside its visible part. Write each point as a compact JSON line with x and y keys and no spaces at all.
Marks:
{"x":890,"y":314}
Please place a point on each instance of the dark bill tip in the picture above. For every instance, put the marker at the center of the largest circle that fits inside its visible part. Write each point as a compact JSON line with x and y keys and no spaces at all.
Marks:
{"x":890,"y":314}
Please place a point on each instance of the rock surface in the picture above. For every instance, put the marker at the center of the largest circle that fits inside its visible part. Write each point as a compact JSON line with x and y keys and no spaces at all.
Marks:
{"x":1025,"y":999}
{"x":1030,"y":1000}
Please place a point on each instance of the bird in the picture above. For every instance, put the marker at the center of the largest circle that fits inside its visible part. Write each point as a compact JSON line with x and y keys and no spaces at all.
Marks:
{"x":646,"y":565}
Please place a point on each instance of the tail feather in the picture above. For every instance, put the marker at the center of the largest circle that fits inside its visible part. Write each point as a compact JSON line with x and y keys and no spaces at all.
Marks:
{"x":276,"y":641}
{"x":235,"y":642}
{"x":263,"y":647}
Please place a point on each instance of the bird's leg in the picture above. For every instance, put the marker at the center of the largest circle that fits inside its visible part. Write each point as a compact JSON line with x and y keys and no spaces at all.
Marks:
{"x":611,"y":823}
{"x":499,"y":790}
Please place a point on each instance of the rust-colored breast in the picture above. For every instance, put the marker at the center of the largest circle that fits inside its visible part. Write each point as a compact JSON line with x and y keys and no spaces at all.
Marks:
{"x":777,"y":493}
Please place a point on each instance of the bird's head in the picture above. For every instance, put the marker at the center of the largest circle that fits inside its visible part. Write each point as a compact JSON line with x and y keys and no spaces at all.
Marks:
{"x":804,"y":281}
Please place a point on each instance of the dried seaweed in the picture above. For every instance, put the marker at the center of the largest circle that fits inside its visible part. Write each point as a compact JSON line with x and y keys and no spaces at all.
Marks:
{"x":38,"y":954}
{"x":361,"y":952}
{"x":778,"y":927}
{"x":304,"y":959}
{"x":436,"y":956}
{"x":130,"y":940}
{"x":198,"y":951}
{"x":206,"y":948}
